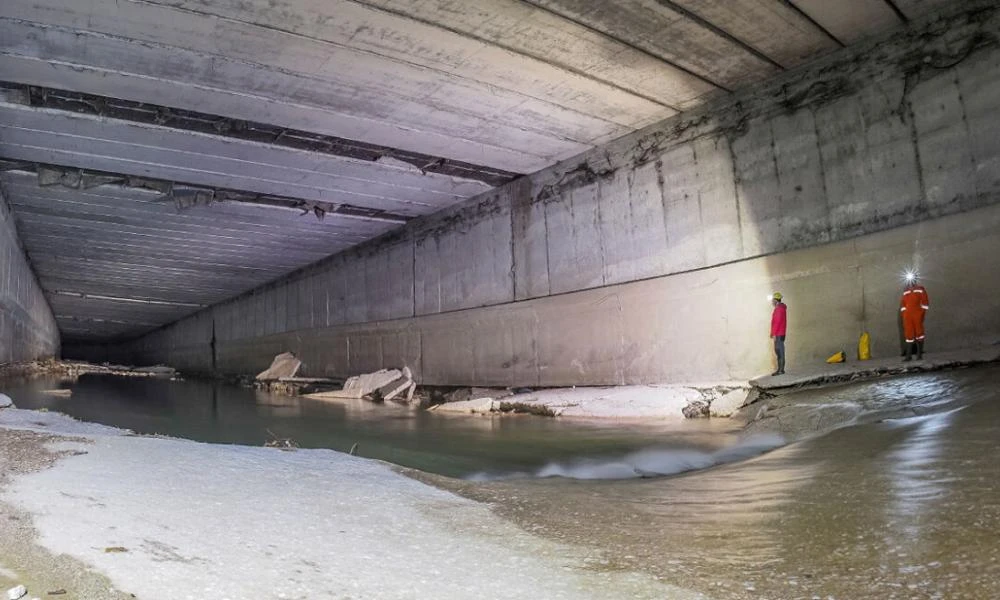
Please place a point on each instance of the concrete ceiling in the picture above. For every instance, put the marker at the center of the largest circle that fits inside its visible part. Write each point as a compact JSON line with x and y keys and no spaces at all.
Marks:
{"x":368,"y":111}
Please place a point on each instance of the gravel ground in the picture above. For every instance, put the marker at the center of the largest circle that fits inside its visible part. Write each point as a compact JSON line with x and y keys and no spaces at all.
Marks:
{"x":22,"y":560}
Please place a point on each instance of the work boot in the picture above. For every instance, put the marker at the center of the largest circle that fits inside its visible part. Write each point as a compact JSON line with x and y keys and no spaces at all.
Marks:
{"x":920,"y":350}
{"x":909,"y":353}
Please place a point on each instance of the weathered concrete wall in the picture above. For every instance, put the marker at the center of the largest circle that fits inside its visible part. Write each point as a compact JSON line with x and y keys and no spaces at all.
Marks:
{"x":27,"y":327}
{"x":649,"y":259}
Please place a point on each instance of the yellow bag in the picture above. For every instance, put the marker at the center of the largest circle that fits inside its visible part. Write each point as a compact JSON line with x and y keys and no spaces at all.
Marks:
{"x":837,"y":358}
{"x":864,"y":347}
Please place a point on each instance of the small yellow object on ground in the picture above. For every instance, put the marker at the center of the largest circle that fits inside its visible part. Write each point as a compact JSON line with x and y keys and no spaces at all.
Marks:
{"x":837,"y":358}
{"x":865,"y":347}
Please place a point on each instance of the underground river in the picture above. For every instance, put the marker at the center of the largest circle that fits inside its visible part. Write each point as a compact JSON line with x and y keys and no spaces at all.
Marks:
{"x":887,"y":489}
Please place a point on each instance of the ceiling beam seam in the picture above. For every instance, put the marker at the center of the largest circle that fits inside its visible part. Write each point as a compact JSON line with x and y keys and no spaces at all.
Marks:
{"x":166,"y":188}
{"x":79,"y":319}
{"x":706,"y":24}
{"x":791,"y":4}
{"x":251,"y":131}
{"x":514,"y":50}
{"x":696,"y":75}
{"x":899,"y":13}
{"x":102,"y":297}
{"x":216,"y":174}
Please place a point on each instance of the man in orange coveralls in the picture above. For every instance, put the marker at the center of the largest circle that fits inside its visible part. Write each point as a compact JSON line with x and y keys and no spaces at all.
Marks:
{"x":913,"y":306}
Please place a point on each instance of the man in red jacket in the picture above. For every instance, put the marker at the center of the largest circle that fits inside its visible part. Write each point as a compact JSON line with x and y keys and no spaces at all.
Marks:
{"x":913,"y":306}
{"x":779,"y":323}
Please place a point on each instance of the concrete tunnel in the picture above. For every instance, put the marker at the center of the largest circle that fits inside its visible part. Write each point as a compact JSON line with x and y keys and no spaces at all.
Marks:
{"x":512,"y":192}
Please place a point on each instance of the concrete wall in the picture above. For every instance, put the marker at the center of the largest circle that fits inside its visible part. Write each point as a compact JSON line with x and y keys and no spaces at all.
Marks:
{"x":649,"y":259}
{"x":27,"y":327}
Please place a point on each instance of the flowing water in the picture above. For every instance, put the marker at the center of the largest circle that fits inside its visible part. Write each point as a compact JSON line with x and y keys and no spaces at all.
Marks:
{"x":890,"y":491}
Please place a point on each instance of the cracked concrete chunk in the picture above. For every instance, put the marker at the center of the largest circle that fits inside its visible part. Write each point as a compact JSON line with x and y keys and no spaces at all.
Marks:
{"x":695,"y":410}
{"x":729,"y":403}
{"x":283,"y":365}
{"x":16,"y":592}
{"x":360,"y":386}
{"x":395,"y":387}
{"x":479,"y":405}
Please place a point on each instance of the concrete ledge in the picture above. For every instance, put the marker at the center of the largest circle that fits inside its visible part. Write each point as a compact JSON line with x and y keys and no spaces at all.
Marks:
{"x":852,"y":371}
{"x":620,"y":402}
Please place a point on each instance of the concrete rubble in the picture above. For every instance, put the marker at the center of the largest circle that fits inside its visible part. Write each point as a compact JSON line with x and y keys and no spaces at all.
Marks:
{"x":16,"y":592}
{"x":634,"y":401}
{"x":283,"y":365}
{"x":384,"y":384}
{"x":70,"y":368}
{"x":6,"y":402}
{"x":730,"y":402}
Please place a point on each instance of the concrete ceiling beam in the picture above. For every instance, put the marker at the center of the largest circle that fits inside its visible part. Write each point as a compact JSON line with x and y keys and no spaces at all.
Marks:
{"x":67,"y":203}
{"x":851,"y":21}
{"x":775,"y":29}
{"x":383,"y":101}
{"x":520,"y":27}
{"x":372,"y":40}
{"x":668,"y":34}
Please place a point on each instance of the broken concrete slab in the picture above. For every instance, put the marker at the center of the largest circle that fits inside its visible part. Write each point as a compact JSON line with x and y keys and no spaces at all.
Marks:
{"x":394,"y":388}
{"x":729,"y":403}
{"x":360,"y":386}
{"x":477,"y":406}
{"x":6,"y":402}
{"x":283,"y":365}
{"x":624,"y":402}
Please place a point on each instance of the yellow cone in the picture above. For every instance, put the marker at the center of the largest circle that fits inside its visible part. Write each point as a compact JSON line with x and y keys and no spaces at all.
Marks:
{"x":864,"y":347}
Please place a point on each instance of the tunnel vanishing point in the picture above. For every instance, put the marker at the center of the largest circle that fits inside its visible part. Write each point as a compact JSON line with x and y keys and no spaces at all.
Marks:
{"x":502,"y":192}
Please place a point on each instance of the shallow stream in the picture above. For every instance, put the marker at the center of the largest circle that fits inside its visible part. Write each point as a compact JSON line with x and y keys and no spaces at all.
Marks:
{"x":888,"y":489}
{"x":465,"y":446}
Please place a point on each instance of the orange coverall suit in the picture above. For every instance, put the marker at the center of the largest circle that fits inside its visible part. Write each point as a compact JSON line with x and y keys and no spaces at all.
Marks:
{"x":914,"y":305}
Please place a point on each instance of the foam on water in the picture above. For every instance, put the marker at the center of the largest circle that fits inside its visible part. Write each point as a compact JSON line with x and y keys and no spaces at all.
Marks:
{"x":652,"y":462}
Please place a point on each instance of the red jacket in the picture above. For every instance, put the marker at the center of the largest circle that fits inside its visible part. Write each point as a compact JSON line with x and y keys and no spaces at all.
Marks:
{"x":779,"y":319}
{"x":914,"y":300}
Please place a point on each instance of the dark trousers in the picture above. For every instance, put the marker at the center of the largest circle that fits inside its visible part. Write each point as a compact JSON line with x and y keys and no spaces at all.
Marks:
{"x":779,"y":351}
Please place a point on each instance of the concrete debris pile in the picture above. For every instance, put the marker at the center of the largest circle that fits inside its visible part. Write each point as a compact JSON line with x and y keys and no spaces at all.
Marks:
{"x":6,"y":402}
{"x":283,"y":365}
{"x":382,"y":385}
{"x":282,"y":378}
{"x":68,"y":368}
{"x":696,"y":409}
{"x":634,"y":401}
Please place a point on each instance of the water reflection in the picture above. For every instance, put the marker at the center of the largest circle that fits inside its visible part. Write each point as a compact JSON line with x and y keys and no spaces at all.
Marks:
{"x":883,"y":509}
{"x":915,"y":470}
{"x":454,"y":445}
